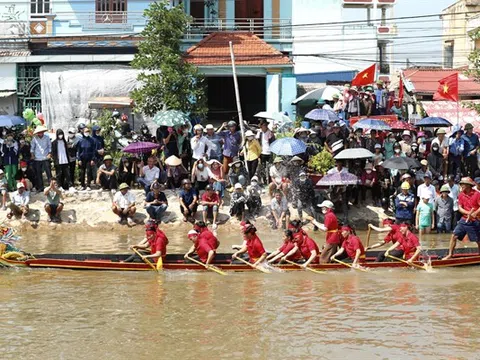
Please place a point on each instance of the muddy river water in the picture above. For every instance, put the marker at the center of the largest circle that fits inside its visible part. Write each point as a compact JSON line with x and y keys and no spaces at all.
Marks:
{"x":385,"y":314}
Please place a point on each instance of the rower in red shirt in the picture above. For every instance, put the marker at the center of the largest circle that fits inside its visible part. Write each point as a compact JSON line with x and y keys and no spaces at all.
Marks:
{"x":303,"y":245}
{"x":330,"y":226}
{"x":352,"y":247}
{"x":469,"y":207}
{"x":253,"y":245}
{"x":406,"y":245}
{"x":155,"y":239}
{"x":287,"y":246}
{"x":205,"y":233}
{"x":392,"y":229}
{"x":201,"y":246}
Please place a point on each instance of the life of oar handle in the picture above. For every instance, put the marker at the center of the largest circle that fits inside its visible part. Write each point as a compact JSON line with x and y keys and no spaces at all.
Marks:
{"x":146,"y":261}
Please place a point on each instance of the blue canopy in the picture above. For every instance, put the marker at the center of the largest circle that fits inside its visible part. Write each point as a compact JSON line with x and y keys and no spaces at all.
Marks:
{"x":11,"y":120}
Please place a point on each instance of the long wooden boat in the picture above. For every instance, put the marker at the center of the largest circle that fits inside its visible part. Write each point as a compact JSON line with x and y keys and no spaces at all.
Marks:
{"x":463,"y":257}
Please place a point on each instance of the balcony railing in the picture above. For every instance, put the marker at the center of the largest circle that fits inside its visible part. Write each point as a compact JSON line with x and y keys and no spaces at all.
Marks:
{"x":132,"y":21}
{"x":267,"y":29}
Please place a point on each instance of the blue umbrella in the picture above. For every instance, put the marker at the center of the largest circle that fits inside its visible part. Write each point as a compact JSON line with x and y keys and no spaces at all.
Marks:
{"x":11,"y":120}
{"x":372,"y":124}
{"x":322,"y":115}
{"x":288,"y":146}
{"x":433,"y":122}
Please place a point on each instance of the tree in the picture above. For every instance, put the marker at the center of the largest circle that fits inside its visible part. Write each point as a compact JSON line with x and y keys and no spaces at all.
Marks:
{"x":474,"y":68}
{"x":167,"y":80}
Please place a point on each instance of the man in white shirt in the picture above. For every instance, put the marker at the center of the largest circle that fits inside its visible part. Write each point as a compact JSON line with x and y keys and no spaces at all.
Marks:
{"x":265,"y":137}
{"x":148,"y":174}
{"x":201,"y":146}
{"x":442,"y":141}
{"x":19,"y":202}
{"x":124,"y":204}
{"x":427,"y":188}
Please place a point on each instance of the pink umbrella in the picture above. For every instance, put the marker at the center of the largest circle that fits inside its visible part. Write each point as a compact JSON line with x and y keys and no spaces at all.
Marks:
{"x":338,"y":179}
{"x":140,"y":147}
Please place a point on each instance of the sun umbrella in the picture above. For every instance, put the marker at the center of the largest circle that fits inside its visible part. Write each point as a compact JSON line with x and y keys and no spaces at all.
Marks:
{"x":322,"y":115}
{"x":372,"y":124}
{"x":401,"y":163}
{"x":348,"y":154}
{"x":170,"y":118}
{"x":140,"y":147}
{"x":343,"y":178}
{"x":433,"y":122}
{"x":279,"y":119}
{"x":312,"y":97}
{"x":401,"y":125}
{"x":288,"y":146}
{"x":11,"y":120}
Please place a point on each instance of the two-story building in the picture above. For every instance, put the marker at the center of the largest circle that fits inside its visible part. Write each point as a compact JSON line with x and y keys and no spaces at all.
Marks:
{"x":56,"y":55}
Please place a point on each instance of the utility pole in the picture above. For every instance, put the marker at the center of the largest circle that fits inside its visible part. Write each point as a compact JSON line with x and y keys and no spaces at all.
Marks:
{"x":237,"y":96}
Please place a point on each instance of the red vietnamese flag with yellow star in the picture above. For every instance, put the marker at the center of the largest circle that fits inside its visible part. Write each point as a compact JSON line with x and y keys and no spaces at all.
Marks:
{"x":365,"y":77}
{"x":447,"y":88}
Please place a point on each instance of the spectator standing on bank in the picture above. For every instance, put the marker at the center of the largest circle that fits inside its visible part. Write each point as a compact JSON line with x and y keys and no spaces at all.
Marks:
{"x":61,"y":160}
{"x":41,"y":151}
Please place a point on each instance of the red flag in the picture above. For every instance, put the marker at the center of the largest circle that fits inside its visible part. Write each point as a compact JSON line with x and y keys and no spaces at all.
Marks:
{"x":365,"y":77}
{"x":447,"y":88}
{"x":401,"y":91}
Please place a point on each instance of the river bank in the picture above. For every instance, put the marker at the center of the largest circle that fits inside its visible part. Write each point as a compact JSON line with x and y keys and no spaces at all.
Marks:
{"x":87,"y":210}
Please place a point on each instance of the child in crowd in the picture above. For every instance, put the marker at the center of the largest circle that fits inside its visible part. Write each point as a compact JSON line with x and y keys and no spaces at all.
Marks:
{"x":3,"y":189}
{"x":425,"y":220}
{"x":237,"y":203}
{"x":254,"y":201}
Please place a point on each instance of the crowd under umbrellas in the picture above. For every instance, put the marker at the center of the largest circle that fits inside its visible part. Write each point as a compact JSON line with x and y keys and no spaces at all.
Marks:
{"x":401,"y":167}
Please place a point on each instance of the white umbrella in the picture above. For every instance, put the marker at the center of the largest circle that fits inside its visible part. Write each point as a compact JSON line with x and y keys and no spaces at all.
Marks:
{"x":358,"y":153}
{"x":324,"y":93}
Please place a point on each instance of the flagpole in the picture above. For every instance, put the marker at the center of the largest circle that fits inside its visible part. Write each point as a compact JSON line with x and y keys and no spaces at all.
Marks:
{"x":458,"y":113}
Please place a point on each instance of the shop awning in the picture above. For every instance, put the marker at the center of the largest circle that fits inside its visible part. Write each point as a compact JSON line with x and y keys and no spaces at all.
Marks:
{"x":448,"y":110}
{"x":110,"y":102}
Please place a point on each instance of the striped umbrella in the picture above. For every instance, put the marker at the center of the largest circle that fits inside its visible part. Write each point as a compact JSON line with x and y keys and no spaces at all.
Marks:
{"x":372,"y":124}
{"x":141,"y":147}
{"x":171,"y":118}
{"x":288,"y":146}
{"x":322,"y":115}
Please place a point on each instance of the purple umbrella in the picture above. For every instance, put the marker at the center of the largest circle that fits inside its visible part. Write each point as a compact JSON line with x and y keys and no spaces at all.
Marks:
{"x":343,"y":178}
{"x":140,"y":147}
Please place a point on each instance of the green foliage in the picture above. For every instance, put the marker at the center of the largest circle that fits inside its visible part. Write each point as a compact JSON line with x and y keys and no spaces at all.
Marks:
{"x":321,"y":163}
{"x":167,"y":80}
{"x":281,"y":135}
{"x":109,"y":125}
{"x":474,"y":68}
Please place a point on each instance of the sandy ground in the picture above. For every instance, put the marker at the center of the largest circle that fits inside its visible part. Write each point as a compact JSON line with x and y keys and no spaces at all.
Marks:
{"x":92,"y":209}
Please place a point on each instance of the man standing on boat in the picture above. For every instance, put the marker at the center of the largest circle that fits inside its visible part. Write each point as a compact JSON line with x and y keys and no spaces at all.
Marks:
{"x":469,"y":207}
{"x":352,"y":247}
{"x":330,"y":226}
{"x":253,"y":245}
{"x":205,"y":252}
{"x":406,"y":245}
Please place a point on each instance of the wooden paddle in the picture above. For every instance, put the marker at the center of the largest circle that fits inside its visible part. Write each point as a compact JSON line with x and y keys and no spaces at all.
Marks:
{"x":259,"y":268}
{"x":350,"y":266}
{"x":208,"y":267}
{"x":424,"y":267}
{"x":368,"y":235}
{"x":146,"y":261}
{"x":307,"y":268}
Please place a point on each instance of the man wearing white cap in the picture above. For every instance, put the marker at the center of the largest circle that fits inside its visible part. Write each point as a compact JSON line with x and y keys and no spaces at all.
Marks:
{"x":215,"y":154}
{"x":201,"y":146}
{"x":41,"y":149}
{"x":19,"y":202}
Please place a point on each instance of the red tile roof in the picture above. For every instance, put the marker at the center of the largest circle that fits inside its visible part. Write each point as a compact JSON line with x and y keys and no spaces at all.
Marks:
{"x":425,"y":81}
{"x":249,"y":50}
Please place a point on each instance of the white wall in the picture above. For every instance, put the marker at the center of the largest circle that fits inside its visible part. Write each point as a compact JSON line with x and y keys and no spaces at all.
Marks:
{"x":347,"y":46}
{"x":8,"y":105}
{"x":8,"y":77}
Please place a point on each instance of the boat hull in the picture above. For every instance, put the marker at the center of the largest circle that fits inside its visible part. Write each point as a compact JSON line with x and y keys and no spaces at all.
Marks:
{"x":113,"y":262}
